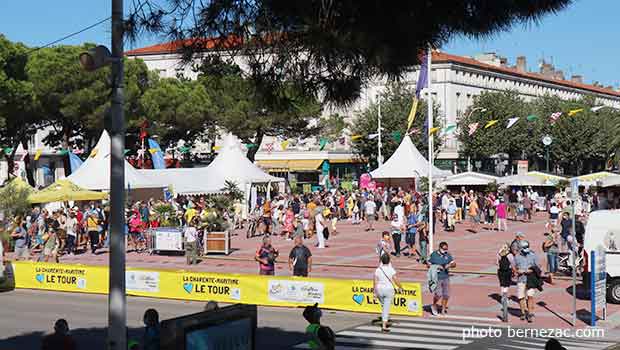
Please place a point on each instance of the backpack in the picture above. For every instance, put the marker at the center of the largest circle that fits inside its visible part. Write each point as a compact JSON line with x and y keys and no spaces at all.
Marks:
{"x":327,"y":337}
{"x":504,"y":263}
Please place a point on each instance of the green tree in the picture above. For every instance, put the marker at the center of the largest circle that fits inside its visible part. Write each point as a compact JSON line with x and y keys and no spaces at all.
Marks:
{"x":178,"y":110}
{"x":332,"y":126}
{"x":395,"y":107}
{"x":252,"y":111}
{"x":332,"y":48}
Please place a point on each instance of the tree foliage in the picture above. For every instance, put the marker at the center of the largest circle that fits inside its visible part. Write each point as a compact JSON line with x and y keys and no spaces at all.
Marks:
{"x":331,"y":47}
{"x":581,"y":142}
{"x":395,"y":107}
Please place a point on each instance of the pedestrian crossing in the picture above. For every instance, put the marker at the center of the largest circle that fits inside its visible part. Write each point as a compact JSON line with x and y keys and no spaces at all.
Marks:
{"x":445,"y":334}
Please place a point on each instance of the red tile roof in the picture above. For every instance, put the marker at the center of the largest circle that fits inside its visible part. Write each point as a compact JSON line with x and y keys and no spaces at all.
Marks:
{"x":438,"y":57}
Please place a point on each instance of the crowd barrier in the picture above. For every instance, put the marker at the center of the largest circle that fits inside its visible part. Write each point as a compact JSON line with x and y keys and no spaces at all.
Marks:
{"x":337,"y":294}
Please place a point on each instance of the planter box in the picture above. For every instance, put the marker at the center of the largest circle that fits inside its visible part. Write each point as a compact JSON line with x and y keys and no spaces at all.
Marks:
{"x":217,"y":242}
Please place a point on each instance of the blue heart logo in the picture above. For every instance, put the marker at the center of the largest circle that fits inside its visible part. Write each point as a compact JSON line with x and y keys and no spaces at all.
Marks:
{"x":40,"y":277}
{"x":358,"y":298}
{"x":188,"y":287}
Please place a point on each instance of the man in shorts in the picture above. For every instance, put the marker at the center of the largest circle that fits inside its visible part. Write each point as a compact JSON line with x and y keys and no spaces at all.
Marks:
{"x":445,"y":261}
{"x":525,"y":262}
{"x":371,"y":212}
{"x":20,"y":237}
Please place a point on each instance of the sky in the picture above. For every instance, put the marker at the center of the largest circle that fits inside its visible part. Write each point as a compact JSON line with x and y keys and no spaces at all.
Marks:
{"x":582,"y":39}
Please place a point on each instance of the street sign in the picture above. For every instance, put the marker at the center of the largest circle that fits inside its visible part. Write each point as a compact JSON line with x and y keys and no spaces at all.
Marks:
{"x":598,"y":281}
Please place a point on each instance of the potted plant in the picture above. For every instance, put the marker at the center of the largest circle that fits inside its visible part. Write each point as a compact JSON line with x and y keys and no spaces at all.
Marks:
{"x":217,"y":221}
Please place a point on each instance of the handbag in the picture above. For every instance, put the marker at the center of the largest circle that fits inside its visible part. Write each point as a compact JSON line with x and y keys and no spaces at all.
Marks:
{"x":389,"y":279}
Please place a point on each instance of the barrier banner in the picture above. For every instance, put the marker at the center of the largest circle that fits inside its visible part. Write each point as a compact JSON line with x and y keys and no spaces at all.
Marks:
{"x":337,"y":294}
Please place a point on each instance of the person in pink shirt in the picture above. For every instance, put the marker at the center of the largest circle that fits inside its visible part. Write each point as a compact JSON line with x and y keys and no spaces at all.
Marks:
{"x":501,"y":212}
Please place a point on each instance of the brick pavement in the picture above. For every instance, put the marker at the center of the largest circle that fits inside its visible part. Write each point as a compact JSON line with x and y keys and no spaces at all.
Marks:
{"x":350,"y":254}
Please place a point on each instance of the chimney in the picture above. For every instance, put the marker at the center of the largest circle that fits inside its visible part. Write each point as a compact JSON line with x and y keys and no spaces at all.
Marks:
{"x":609,"y":87}
{"x":521,"y":64}
{"x":547,"y":70}
{"x":503,"y":61}
{"x":577,"y":79}
{"x":558,"y":74}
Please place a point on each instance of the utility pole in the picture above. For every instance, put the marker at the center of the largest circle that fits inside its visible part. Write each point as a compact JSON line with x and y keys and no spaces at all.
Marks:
{"x":117,"y":302}
{"x":379,"y":144}
{"x":430,"y":150}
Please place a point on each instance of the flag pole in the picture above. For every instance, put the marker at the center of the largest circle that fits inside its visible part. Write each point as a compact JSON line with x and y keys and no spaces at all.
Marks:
{"x":429,"y":103}
{"x":379,"y":144}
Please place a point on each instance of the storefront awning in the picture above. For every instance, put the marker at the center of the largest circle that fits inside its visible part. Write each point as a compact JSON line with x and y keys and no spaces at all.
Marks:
{"x":290,"y":165}
{"x":346,"y":161}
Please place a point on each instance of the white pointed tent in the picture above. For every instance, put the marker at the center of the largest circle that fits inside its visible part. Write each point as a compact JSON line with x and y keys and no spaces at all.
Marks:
{"x":229,"y":165}
{"x":406,"y":163}
{"x":94,"y":174}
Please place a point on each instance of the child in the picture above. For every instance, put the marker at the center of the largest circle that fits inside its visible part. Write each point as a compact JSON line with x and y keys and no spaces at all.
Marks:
{"x":151,"y":336}
{"x":323,"y":338}
{"x":50,"y":248}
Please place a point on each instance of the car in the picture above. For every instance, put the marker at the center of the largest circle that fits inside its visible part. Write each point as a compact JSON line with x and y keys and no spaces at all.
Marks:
{"x":603,"y":230}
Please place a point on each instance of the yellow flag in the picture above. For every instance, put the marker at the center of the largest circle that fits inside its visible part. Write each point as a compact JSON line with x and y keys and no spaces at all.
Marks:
{"x":414,"y":108}
{"x":37,"y":155}
{"x":433,"y":130}
{"x":355,"y":137}
{"x":153,"y":150}
{"x":216,"y":148}
{"x":284,"y":144}
{"x":490,"y":123}
{"x":93,"y":153}
{"x":574,"y":111}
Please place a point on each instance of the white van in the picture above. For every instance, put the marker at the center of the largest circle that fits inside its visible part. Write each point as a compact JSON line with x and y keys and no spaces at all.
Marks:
{"x":603,"y":228}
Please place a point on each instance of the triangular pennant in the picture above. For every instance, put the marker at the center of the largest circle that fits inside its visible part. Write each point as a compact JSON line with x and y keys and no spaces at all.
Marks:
{"x":532,"y":118}
{"x":37,"y":154}
{"x":94,"y":152}
{"x":512,"y":122}
{"x":372,"y":136}
{"x":555,"y":116}
{"x":397,"y":136}
{"x":449,"y":129}
{"x":322,"y":143}
{"x":217,"y":148}
{"x":414,"y":108}
{"x":490,"y":123}
{"x":433,"y":130}
{"x":153,"y":150}
{"x":473,"y":127}
{"x":63,"y":152}
{"x":355,"y":137}
{"x":414,"y":131}
{"x":574,"y":111}
{"x":247,"y":145}
{"x":597,"y":108}
{"x":284,"y":144}
{"x":126,"y":151}
{"x":8,"y":150}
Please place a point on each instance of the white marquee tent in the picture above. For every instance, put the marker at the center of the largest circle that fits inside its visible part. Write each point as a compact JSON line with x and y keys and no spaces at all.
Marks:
{"x":406,"y":163}
{"x":469,"y":178}
{"x":230,"y":165}
{"x":525,"y":180}
{"x":94,"y":173}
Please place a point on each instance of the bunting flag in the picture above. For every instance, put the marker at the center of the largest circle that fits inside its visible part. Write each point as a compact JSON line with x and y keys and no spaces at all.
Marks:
{"x":75,"y":162}
{"x":37,"y":154}
{"x":24,"y":155}
{"x":63,"y":152}
{"x":269,"y":147}
{"x":247,"y":145}
{"x":124,"y":153}
{"x":284,"y":144}
{"x":397,"y":136}
{"x":78,"y":151}
{"x":8,"y":150}
{"x":414,"y":131}
{"x":449,"y":129}
{"x":414,"y":108}
{"x":433,"y":130}
{"x":473,"y":127}
{"x":153,"y":150}
{"x":94,"y":152}
{"x":596,"y":109}
{"x":217,"y":148}
{"x":512,"y":122}
{"x":157,"y":156}
{"x":372,"y":136}
{"x":140,"y":153}
{"x":532,"y":118}
{"x":355,"y":137}
{"x":574,"y":111}
{"x":490,"y":123}
{"x":322,"y":143}
{"x":555,"y":116}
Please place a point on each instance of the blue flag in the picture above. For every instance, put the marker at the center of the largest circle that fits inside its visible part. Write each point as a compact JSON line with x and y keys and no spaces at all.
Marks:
{"x":422,"y":77}
{"x":75,"y":162}
{"x":156,"y":154}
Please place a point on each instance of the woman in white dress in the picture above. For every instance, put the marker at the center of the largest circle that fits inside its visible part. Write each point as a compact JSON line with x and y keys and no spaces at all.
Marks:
{"x":385,"y":286}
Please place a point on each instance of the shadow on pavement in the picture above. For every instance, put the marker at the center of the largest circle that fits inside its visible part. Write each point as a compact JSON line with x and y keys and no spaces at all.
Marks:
{"x":582,"y":292}
{"x":94,"y":338}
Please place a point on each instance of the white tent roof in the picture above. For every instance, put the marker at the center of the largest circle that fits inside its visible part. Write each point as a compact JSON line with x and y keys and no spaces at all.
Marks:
{"x":525,"y":180}
{"x":611,"y":181}
{"x":94,"y":173}
{"x":469,"y":178}
{"x":406,"y":163}
{"x":230,"y":165}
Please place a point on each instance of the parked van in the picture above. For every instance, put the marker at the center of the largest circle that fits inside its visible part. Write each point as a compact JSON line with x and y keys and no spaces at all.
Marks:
{"x":603,"y":228}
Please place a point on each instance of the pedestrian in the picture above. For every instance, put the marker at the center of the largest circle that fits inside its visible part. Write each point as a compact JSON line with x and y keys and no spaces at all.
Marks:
{"x":554,"y":212}
{"x":474,"y":214}
{"x":51,"y":246}
{"x":502,"y":215}
{"x":451,"y":213}
{"x":527,"y":208}
{"x":152,"y":331}
{"x":398,"y":226}
{"x":320,"y":224}
{"x":266,"y":257}
{"x":191,"y":245}
{"x":551,"y":249}
{"x":504,"y":274}
{"x":444,"y":261}
{"x":20,"y":238}
{"x":566,"y":226}
{"x":71,"y":228}
{"x":321,"y":337}
{"x":300,"y":259}
{"x":528,"y":280}
{"x":384,"y":246}
{"x":412,"y":223}
{"x":60,"y":339}
{"x":386,"y":284}
{"x":288,"y":223}
{"x":371,"y":213}
{"x":92,"y":223}
{"x":423,"y":240}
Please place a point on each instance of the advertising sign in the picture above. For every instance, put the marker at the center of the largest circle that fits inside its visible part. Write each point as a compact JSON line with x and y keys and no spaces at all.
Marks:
{"x":598,"y":284}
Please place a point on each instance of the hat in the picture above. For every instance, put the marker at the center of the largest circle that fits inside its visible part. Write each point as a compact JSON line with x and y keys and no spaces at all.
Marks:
{"x":520,"y":234}
{"x":525,"y":246}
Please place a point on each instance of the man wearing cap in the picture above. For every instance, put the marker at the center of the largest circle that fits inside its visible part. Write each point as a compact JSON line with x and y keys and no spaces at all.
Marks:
{"x":525,"y":263}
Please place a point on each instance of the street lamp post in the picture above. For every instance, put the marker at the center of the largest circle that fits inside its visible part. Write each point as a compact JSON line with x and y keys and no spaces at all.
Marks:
{"x":547,"y":140}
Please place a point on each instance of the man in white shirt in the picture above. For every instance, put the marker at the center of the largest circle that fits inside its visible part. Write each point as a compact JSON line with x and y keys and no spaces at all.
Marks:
{"x":71,"y":228}
{"x":371,"y":212}
{"x":191,"y":246}
{"x":398,"y":223}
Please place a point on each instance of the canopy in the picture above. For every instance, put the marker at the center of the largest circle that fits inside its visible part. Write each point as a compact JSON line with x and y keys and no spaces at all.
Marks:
{"x":525,"y":180}
{"x":231,"y":164}
{"x":546,"y":176}
{"x":469,"y":178}
{"x":64,"y":190}
{"x":595,"y":178}
{"x":406,"y":163}
{"x":611,"y":181}
{"x":94,"y":173}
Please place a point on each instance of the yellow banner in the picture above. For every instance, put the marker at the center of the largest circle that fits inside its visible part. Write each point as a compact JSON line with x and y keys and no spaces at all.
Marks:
{"x":337,"y":294}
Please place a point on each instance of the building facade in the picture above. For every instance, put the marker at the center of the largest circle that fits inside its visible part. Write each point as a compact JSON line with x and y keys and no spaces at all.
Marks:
{"x":456,"y":80}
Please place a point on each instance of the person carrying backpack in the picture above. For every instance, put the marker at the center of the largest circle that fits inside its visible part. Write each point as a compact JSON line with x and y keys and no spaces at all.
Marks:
{"x":322,"y":337}
{"x":504,"y":274}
